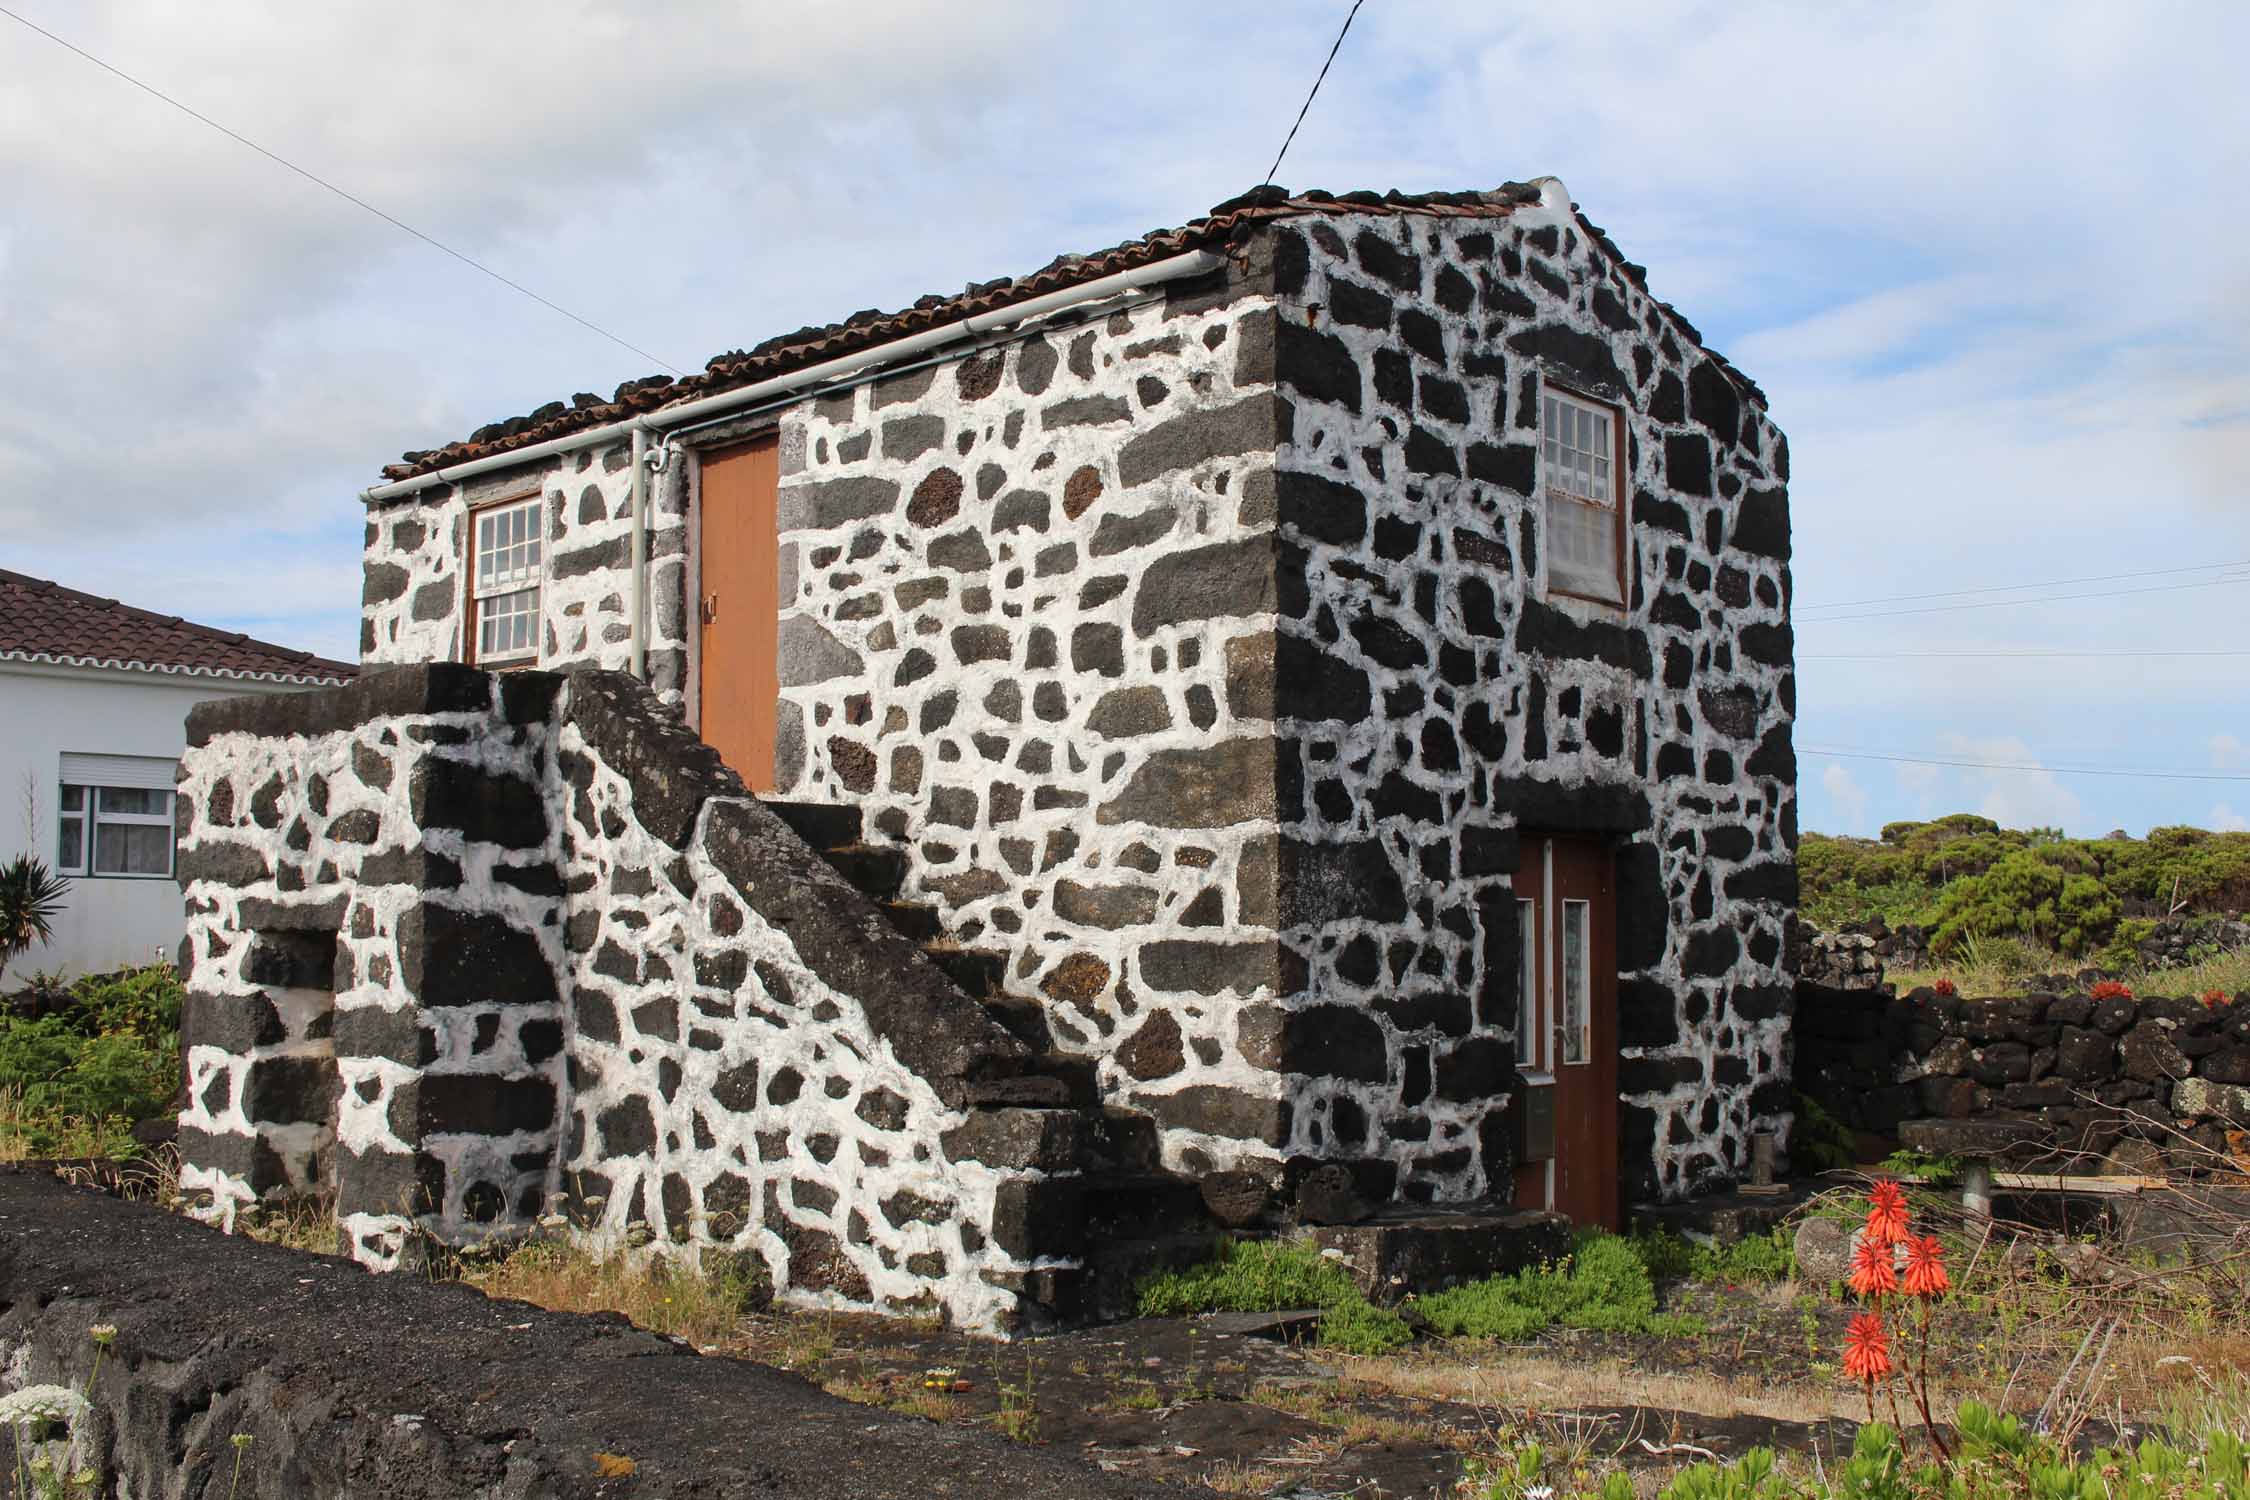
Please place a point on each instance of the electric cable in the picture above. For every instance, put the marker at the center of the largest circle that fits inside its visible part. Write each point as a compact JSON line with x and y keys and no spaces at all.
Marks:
{"x":2001,"y":765}
{"x":1316,"y":83}
{"x":319,"y":181}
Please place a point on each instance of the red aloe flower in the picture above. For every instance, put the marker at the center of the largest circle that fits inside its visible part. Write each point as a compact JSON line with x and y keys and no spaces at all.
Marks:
{"x":2110,"y":989}
{"x":1925,"y":1267}
{"x":1873,"y":1270}
{"x":1945,"y":987}
{"x":1867,"y":1349}
{"x":1886,"y":1213}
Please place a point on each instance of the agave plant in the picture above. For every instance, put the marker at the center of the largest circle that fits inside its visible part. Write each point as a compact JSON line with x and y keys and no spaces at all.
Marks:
{"x":31,"y":897}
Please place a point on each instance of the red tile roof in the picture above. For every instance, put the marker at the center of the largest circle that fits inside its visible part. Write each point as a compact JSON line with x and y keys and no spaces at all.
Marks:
{"x":1225,"y":224}
{"x":42,"y":621}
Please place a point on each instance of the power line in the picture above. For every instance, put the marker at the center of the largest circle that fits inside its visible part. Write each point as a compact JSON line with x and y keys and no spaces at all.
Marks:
{"x":1945,"y":609}
{"x":2001,"y":765}
{"x":1316,"y":83}
{"x":2007,"y":588}
{"x":318,"y":181}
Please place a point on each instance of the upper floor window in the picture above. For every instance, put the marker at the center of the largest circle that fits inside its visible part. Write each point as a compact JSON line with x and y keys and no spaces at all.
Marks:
{"x":1581,"y":460}
{"x":106,"y":829}
{"x":507,"y":574}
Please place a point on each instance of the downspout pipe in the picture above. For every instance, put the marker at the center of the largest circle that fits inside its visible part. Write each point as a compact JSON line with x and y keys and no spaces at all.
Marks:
{"x":686,"y":413}
{"x":637,"y":648}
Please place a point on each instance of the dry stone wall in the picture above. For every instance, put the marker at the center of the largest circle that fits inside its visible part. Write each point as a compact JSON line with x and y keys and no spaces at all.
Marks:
{"x":1438,"y":699}
{"x":484,"y":953}
{"x":2152,"y":1083}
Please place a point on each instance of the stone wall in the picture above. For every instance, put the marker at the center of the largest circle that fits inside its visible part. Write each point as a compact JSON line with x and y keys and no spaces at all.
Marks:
{"x":1437,"y":699}
{"x":476,"y":951}
{"x":1029,"y":632}
{"x":413,"y":594}
{"x":1196,"y":650}
{"x":2153,"y":1083}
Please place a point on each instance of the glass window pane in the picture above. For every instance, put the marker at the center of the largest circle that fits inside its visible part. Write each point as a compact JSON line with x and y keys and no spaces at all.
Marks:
{"x":133,"y":800}
{"x":1527,"y":987}
{"x":132,"y":849}
{"x":74,"y":799}
{"x":70,"y":834}
{"x":1576,"y":981}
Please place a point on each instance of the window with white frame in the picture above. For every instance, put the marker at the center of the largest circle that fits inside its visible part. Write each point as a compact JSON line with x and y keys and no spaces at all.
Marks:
{"x":507,"y":574}
{"x":114,"y":816}
{"x":1578,"y":445}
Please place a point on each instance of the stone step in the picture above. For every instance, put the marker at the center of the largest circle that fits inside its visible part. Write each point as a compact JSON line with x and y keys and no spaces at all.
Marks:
{"x":824,"y":825}
{"x":1025,"y":1020}
{"x":919,"y":920}
{"x":878,"y":873}
{"x":1142,"y":1205}
{"x":1120,"y":1141}
{"x":978,"y":971}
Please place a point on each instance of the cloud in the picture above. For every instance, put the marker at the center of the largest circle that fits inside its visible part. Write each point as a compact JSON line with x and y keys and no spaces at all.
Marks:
{"x":2014,"y":798}
{"x":2224,"y":819}
{"x":2228,"y":750}
{"x":1997,"y":308}
{"x":1846,"y":797}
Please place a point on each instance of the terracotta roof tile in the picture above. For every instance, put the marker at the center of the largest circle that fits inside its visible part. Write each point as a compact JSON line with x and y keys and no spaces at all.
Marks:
{"x":46,"y":622}
{"x":1225,"y":224}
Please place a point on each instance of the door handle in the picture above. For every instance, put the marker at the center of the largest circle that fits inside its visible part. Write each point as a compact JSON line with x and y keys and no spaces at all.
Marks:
{"x":710,"y":608}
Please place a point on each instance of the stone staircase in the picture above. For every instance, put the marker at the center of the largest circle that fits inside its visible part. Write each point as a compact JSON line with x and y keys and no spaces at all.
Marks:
{"x":1130,"y":1215}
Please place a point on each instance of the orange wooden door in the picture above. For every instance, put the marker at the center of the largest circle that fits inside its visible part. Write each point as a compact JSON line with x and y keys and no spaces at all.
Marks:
{"x":741,"y":607}
{"x":1566,"y":890}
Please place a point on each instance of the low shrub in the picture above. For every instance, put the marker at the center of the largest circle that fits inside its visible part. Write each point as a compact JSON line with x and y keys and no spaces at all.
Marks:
{"x":1270,"y":1276}
{"x":1603,"y":1285}
{"x":74,"y":1081}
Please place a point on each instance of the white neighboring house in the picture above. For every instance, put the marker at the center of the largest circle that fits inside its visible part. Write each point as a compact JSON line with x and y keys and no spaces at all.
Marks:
{"x":94,"y":697}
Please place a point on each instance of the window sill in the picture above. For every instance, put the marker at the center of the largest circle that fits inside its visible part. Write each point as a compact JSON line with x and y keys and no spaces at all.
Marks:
{"x":1588,"y":606}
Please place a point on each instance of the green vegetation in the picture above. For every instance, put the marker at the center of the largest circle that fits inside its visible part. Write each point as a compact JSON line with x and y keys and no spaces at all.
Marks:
{"x":1967,"y":878}
{"x":1603,"y":1284}
{"x":1269,"y":1276}
{"x":74,"y":1082}
{"x":1995,"y":1458}
{"x":31,"y":897}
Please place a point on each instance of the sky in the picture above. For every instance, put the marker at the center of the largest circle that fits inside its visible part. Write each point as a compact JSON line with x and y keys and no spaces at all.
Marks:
{"x":1986,"y":261}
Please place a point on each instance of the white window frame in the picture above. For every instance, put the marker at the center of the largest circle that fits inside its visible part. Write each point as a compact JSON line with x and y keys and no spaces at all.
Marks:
{"x":91,"y":816}
{"x":1582,"y":478}
{"x":522,"y":584}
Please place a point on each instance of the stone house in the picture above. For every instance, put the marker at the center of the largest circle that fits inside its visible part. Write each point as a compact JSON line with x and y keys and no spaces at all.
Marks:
{"x":1318,"y":682}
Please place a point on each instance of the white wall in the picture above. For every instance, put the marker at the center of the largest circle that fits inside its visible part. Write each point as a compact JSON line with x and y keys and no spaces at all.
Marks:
{"x":107,"y":921}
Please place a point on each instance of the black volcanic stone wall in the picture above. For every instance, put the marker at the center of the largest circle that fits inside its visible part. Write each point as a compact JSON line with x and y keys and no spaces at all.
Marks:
{"x":1438,"y":703}
{"x":2154,"y":1082}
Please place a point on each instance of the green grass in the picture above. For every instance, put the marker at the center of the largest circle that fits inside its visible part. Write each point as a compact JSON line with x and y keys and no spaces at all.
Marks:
{"x":1603,"y":1284}
{"x":1270,"y":1276}
{"x":1757,"y":1258}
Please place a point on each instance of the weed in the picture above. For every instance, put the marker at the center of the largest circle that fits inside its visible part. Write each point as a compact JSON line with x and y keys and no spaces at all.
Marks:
{"x":1018,"y":1416}
{"x":656,"y":1293}
{"x":1272,"y":1275}
{"x":1602,"y":1285}
{"x":104,"y":1056}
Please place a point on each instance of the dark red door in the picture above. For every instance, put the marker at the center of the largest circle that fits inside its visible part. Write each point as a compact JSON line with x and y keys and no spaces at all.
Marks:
{"x":1567,"y":1040}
